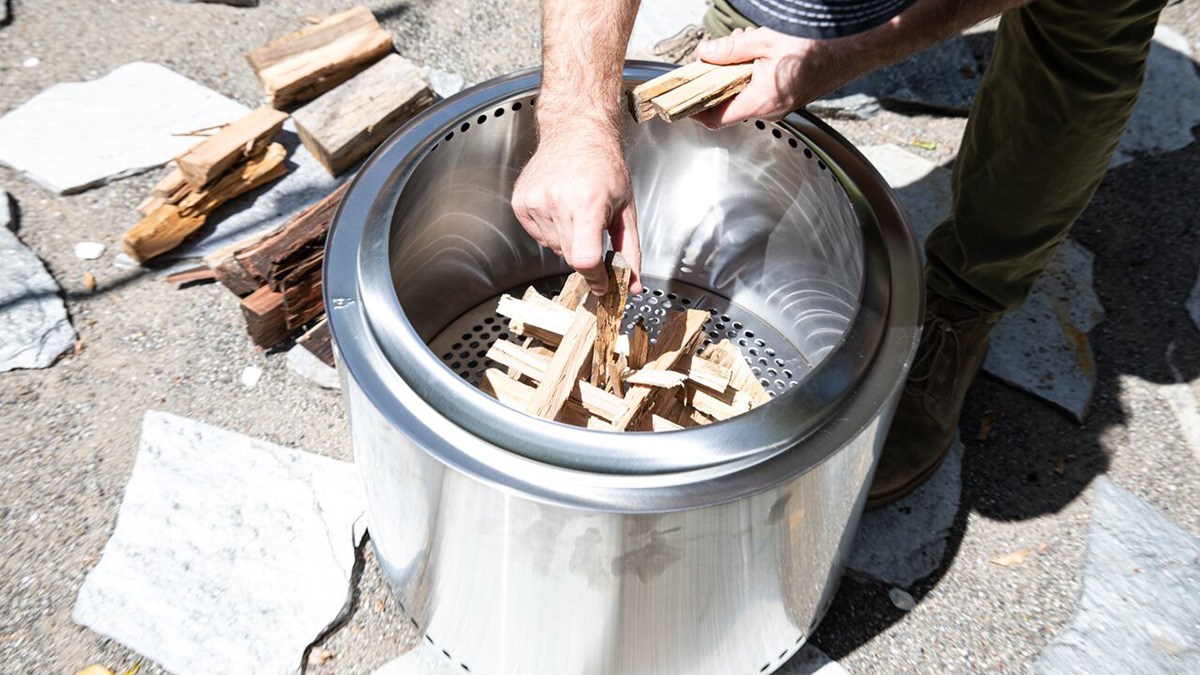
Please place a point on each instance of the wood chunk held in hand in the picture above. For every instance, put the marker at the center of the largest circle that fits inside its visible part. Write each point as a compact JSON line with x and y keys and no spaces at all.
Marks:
{"x":710,"y":89}
{"x":639,"y":99}
{"x":610,"y":310}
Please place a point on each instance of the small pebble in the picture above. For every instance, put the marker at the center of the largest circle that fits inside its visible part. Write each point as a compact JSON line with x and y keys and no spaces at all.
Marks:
{"x":89,"y":281}
{"x":89,"y":250}
{"x":31,"y":62}
{"x":902,"y":600}
{"x":250,"y":376}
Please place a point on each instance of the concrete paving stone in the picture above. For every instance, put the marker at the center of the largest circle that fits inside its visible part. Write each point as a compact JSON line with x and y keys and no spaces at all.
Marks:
{"x":1138,"y":609}
{"x":77,"y":135}
{"x":1169,"y":104}
{"x":905,"y":541}
{"x":34,"y":327}
{"x":662,"y":19}
{"x":1042,"y":348}
{"x":1193,"y":304}
{"x":230,"y":554}
{"x":942,"y":79}
{"x":268,"y":207}
{"x":303,"y":363}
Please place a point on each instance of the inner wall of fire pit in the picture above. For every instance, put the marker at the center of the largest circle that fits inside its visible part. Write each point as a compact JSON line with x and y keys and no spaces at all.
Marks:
{"x":747,"y":223}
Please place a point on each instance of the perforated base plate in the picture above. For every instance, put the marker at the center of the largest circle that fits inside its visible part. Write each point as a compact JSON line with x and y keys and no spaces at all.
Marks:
{"x":463,"y":345}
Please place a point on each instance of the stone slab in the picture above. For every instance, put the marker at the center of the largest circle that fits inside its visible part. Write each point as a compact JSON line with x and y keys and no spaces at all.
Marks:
{"x":34,"y":326}
{"x":905,"y":541}
{"x":77,"y":135}
{"x":942,"y":79}
{"x":1169,"y":104}
{"x":230,"y":554}
{"x":303,"y":363}
{"x":1042,"y":348}
{"x":1138,"y":609}
{"x":269,"y":206}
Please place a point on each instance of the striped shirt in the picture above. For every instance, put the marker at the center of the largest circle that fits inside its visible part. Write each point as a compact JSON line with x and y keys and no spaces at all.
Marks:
{"x":820,"y":18}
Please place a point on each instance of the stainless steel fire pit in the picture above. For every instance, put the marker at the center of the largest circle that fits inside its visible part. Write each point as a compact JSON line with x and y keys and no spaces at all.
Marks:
{"x":523,"y":547}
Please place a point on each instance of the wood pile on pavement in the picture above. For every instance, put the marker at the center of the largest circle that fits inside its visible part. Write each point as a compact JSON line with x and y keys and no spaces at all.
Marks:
{"x":574,"y":366}
{"x":349,"y":91}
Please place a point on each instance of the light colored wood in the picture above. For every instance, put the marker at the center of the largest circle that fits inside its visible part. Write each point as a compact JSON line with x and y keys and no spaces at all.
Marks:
{"x":742,"y":379}
{"x":170,"y":190}
{"x":639,"y":345}
{"x":681,"y":333}
{"x":706,"y":373}
{"x":533,"y":363}
{"x":706,"y":91}
{"x":315,"y":59}
{"x":569,"y":360}
{"x":537,"y":311}
{"x":167,"y":226}
{"x":344,"y":125}
{"x":243,"y":138}
{"x":574,"y":290}
{"x":639,"y":98}
{"x":609,"y":311}
{"x":706,"y":402}
{"x":657,"y":378}
{"x":662,"y":424}
{"x":517,"y":395}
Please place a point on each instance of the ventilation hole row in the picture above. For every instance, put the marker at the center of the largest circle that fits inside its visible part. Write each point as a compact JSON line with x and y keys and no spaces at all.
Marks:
{"x":777,"y":133}
{"x":498,"y":112}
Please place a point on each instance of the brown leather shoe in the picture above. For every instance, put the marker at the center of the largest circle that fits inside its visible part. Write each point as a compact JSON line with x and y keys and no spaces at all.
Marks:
{"x":953,"y":344}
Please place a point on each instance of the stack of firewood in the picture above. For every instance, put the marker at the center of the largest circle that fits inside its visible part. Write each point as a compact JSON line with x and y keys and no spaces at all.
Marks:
{"x":238,"y":158}
{"x":575,"y":366}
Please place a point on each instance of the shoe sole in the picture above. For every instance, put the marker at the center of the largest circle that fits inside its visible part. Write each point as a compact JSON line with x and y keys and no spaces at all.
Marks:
{"x":881,"y":500}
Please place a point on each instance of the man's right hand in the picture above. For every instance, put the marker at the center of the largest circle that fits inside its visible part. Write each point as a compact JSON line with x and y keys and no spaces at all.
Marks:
{"x":574,"y":189}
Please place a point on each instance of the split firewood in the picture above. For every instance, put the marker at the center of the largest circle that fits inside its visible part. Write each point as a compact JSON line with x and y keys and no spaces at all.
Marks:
{"x":264,"y":315}
{"x":296,"y":250}
{"x":170,"y":224}
{"x":536,"y":313}
{"x":609,"y":311}
{"x":706,"y":373}
{"x":347,"y":123}
{"x":680,"y":334}
{"x":650,"y":377}
{"x":687,"y":90}
{"x":192,"y":275}
{"x":170,"y":190}
{"x":569,"y":359}
{"x":639,"y":344}
{"x":319,"y":341}
{"x":742,"y":379}
{"x":317,"y":58}
{"x":573,"y":292}
{"x":244,"y":138}
{"x":662,"y":424}
{"x":641,"y":95}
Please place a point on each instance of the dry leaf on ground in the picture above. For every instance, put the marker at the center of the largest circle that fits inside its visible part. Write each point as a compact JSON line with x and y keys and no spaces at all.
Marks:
{"x":1014,"y":558}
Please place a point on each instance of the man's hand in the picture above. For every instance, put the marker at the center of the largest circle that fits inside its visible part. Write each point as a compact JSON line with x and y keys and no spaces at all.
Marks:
{"x":788,"y":73}
{"x":574,"y":189}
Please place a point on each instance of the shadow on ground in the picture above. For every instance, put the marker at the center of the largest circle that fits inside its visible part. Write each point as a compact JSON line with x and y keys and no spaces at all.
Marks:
{"x":1142,"y":227}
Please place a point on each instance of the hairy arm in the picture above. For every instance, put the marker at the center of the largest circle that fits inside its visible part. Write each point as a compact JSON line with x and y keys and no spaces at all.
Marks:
{"x":576,"y":186}
{"x":790,"y":71}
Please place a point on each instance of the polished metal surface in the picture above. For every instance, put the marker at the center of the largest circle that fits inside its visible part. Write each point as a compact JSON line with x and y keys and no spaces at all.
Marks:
{"x":520,"y":546}
{"x":463,"y":344}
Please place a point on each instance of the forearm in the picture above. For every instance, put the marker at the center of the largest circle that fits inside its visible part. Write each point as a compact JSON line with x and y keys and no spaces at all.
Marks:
{"x":924,"y":24}
{"x":583,"y":51}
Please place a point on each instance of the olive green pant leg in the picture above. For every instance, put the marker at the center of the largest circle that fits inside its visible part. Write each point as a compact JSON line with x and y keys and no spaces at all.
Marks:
{"x":1050,"y":111}
{"x":721,"y":19}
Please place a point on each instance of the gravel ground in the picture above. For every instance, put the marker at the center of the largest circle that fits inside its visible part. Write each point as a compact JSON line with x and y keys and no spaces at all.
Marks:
{"x":70,"y":433}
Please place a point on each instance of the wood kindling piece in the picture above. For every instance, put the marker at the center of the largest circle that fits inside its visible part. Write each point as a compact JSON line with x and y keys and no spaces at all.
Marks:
{"x":168,"y":225}
{"x":319,"y":341}
{"x":568,"y":361}
{"x":346,"y":124}
{"x":317,"y":58}
{"x":657,"y":378}
{"x":687,"y":90}
{"x":574,"y":290}
{"x":640,"y":97}
{"x":742,"y":379}
{"x":265,"y":320}
{"x":537,"y":311}
{"x":610,"y":310}
{"x":680,"y":334}
{"x":217,"y":153}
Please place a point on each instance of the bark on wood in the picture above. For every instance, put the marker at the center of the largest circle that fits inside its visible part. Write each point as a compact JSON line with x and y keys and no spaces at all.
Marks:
{"x":318,"y":341}
{"x":639,"y":99}
{"x":192,"y":275}
{"x":297,"y":248}
{"x":706,"y":91}
{"x":315,"y":59}
{"x":265,"y":321}
{"x":346,"y":124}
{"x":168,"y":225}
{"x":302,"y":302}
{"x":243,"y":138}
